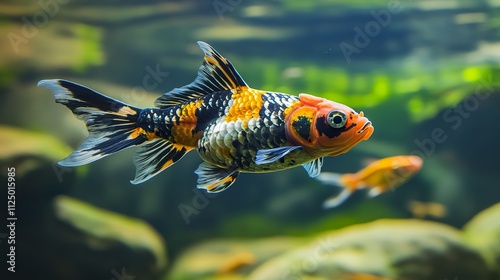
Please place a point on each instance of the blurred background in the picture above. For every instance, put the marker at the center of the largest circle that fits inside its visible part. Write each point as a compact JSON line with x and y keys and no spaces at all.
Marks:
{"x":424,"y":72}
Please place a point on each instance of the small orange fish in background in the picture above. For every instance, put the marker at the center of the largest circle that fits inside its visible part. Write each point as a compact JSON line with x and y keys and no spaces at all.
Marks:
{"x":421,"y":209}
{"x":379,"y":176}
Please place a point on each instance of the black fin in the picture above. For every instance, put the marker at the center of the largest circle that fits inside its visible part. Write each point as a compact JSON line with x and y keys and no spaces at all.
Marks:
{"x":215,"y":179}
{"x":215,"y":74}
{"x":154,"y":157}
{"x":111,"y":123}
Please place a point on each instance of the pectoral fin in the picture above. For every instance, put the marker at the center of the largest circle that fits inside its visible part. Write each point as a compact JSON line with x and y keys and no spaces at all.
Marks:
{"x":215,"y":179}
{"x":272,"y":155}
{"x":313,"y":168}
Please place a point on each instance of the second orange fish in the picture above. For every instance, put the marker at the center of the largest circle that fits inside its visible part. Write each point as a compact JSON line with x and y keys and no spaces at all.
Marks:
{"x":378,"y":177}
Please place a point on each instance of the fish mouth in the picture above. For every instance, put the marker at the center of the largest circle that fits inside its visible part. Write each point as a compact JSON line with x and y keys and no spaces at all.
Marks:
{"x":367,"y":129}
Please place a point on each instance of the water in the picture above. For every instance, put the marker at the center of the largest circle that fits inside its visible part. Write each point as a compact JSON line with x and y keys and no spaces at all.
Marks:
{"x":424,"y":72}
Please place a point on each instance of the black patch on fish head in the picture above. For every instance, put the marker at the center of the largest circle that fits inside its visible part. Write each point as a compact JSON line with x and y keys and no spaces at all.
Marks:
{"x":323,"y":127}
{"x":303,"y":127}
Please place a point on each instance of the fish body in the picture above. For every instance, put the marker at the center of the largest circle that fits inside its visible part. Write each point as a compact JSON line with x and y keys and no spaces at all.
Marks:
{"x":378,"y":177}
{"x":234,"y":127}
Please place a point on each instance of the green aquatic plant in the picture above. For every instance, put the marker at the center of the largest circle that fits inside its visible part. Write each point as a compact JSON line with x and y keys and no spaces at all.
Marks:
{"x":426,"y":92}
{"x":90,"y":53}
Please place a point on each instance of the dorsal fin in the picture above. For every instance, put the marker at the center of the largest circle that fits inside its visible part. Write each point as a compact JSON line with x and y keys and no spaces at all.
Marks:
{"x":215,"y":74}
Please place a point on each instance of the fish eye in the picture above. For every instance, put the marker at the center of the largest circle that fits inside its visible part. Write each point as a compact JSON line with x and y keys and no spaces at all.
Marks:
{"x":336,"y":119}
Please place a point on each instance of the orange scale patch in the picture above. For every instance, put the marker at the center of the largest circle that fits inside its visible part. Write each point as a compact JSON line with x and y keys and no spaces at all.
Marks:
{"x":183,"y":134}
{"x":140,"y":131}
{"x":188,"y":111}
{"x":247,"y":103}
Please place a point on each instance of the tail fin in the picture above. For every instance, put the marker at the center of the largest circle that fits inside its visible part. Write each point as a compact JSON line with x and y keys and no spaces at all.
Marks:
{"x":111,"y":124}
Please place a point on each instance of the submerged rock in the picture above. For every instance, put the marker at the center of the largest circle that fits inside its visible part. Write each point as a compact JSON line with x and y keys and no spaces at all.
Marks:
{"x":16,"y":142}
{"x":108,"y":241}
{"x":394,"y":249}
{"x":34,"y":156}
{"x":229,"y":259}
{"x":483,"y":234}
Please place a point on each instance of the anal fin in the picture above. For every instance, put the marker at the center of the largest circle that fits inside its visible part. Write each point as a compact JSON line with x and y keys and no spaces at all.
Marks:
{"x":215,"y":179}
{"x":154,"y":157}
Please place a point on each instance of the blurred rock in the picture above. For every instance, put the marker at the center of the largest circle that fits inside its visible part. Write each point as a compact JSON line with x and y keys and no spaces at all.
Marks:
{"x":99,"y":243}
{"x":397,"y":249}
{"x":34,"y":156}
{"x":66,"y":238}
{"x":16,"y":142}
{"x":229,"y":259}
{"x":483,"y":234}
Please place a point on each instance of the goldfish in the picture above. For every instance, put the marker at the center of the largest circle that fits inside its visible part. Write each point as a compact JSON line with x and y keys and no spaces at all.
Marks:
{"x":233,"y":127}
{"x":378,"y":177}
{"x":421,"y":209}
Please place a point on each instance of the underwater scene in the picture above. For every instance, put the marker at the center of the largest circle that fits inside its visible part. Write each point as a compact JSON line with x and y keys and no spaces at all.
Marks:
{"x":233,"y":139}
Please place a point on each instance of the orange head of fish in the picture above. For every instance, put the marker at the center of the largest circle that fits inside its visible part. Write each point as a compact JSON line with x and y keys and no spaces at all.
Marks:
{"x":324,"y":127}
{"x":406,"y":166}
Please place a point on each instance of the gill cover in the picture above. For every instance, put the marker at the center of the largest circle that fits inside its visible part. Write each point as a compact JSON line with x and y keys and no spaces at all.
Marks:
{"x":301,"y":121}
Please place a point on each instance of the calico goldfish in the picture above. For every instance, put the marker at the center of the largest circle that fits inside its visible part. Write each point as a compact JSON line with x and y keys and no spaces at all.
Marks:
{"x":233,"y":127}
{"x":379,"y":176}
